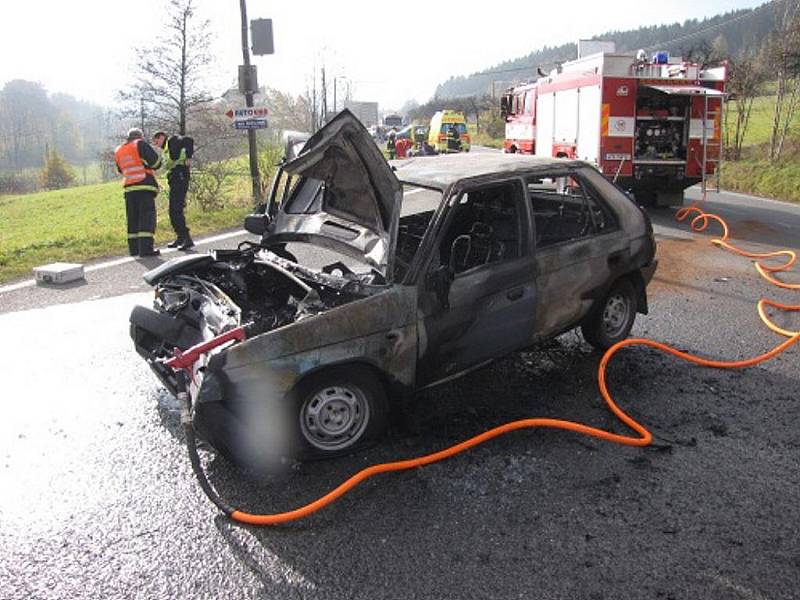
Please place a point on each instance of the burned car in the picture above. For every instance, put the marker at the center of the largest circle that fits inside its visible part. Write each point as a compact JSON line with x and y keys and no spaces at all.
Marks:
{"x":371,"y":281}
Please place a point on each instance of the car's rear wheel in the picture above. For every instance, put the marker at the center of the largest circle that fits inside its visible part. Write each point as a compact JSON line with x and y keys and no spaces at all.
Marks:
{"x":338,"y":410}
{"x":612,"y":319}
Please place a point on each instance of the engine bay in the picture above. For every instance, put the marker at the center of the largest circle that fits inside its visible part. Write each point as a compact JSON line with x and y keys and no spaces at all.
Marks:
{"x":261,"y":289}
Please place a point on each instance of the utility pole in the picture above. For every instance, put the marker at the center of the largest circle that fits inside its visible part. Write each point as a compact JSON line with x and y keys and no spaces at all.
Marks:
{"x":314,"y":103}
{"x":248,"y":98}
{"x":324,"y":98}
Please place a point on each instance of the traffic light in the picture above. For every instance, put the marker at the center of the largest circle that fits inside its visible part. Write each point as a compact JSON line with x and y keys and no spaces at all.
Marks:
{"x":261,"y":34}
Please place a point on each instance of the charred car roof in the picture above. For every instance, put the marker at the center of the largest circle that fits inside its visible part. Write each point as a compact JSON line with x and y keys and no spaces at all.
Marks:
{"x":439,"y":172}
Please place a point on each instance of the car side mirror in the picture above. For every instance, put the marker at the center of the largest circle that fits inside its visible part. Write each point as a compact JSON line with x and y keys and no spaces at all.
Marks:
{"x":439,"y":281}
{"x":256,"y":223}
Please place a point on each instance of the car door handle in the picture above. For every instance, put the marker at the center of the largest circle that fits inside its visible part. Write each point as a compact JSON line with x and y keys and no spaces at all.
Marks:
{"x":515,"y":294}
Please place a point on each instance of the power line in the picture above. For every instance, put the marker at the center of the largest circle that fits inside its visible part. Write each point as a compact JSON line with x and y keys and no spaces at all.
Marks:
{"x":713,"y":27}
{"x":746,"y":15}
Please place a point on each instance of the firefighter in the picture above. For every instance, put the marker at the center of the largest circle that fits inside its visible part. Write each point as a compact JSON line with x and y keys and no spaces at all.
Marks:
{"x":177,"y":156}
{"x":453,"y":138}
{"x":391,"y":146}
{"x":137,"y":161}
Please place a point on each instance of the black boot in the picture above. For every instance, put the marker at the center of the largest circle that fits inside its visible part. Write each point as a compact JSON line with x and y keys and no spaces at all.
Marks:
{"x":186,"y":241}
{"x":146,"y":247}
{"x":176,"y":244}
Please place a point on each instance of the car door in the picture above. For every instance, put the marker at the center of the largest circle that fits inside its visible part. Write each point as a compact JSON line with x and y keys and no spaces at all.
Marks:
{"x":579,"y":246}
{"x":489,"y":309}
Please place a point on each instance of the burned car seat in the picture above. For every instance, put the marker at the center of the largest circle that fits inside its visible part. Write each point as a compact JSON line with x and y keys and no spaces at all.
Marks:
{"x":476,"y":248}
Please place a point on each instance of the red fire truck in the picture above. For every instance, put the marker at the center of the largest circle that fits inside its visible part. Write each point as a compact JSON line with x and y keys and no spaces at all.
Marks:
{"x":652,"y":124}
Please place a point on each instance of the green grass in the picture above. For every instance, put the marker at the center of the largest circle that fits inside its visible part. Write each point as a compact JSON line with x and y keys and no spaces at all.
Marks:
{"x":483,"y":138}
{"x":760,"y":124}
{"x":82,"y":223}
{"x":753,"y":174}
{"x":761,"y":178}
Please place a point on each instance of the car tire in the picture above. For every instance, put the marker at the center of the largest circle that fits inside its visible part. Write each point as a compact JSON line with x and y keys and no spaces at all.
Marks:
{"x":338,"y":410}
{"x":612,"y":318}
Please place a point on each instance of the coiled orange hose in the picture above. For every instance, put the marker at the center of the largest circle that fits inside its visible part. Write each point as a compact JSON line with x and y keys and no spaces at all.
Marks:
{"x":643,"y":438}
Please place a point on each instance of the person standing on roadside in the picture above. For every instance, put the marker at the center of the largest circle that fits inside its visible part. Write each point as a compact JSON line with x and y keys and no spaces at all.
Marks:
{"x":391,"y":145}
{"x":177,"y":156}
{"x":138,"y":161}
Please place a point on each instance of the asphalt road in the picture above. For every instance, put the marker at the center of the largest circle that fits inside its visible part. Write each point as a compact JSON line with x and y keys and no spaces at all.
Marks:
{"x":97,"y":499}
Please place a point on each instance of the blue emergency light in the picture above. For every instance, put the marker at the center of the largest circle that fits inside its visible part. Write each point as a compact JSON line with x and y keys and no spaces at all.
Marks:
{"x":661,"y":58}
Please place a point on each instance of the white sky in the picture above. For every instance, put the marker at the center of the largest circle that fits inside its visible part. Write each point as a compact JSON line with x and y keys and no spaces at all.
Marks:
{"x":391,"y":51}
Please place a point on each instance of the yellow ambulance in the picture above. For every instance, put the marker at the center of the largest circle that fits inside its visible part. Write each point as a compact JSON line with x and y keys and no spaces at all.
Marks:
{"x":448,"y":132}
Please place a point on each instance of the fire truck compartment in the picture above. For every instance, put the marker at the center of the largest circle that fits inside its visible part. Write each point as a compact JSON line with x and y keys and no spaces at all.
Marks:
{"x":660,"y":132}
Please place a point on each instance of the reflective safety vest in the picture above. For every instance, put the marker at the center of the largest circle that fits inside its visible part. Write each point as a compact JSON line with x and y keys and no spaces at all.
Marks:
{"x":131,"y":165}
{"x":178,"y":149}
{"x":169,"y":163}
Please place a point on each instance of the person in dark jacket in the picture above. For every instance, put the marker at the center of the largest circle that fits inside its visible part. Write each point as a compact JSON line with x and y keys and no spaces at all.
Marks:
{"x":453,"y":138}
{"x":138,"y":161}
{"x":391,"y":144}
{"x":177,"y":156}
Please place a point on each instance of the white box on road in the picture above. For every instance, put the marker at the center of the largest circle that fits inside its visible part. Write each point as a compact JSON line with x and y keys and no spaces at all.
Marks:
{"x":58,"y":273}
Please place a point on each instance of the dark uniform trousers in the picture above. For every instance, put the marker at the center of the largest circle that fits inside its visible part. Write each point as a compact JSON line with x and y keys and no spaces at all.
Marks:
{"x":178,"y":187}
{"x":140,"y":207}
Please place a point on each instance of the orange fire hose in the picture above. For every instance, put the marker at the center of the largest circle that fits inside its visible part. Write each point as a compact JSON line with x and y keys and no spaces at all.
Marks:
{"x":643,"y":437}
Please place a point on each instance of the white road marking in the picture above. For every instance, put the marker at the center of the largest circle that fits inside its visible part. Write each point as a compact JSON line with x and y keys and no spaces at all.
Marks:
{"x":715,"y":195}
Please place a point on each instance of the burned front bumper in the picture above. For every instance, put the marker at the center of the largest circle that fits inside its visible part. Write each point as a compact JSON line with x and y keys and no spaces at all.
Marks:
{"x":242,"y":391}
{"x":162,"y":338}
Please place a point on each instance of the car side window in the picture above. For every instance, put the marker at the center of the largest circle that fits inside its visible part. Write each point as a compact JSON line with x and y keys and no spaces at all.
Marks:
{"x":565,"y":209}
{"x":485,"y":228}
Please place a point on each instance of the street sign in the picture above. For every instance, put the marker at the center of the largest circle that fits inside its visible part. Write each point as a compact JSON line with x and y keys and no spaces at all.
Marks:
{"x":250,"y":124}
{"x":247,"y":113}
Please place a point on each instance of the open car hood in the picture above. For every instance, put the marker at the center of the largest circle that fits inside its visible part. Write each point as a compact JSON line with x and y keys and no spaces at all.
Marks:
{"x":347,"y":198}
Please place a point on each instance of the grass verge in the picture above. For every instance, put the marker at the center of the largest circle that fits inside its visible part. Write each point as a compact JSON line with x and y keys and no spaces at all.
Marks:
{"x":761,"y":178}
{"x":82,"y":223}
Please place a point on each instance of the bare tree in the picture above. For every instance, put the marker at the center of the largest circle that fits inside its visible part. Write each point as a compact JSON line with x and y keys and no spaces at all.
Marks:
{"x":288,"y":112}
{"x":170,"y":74}
{"x":745,"y":82}
{"x":782,"y":57}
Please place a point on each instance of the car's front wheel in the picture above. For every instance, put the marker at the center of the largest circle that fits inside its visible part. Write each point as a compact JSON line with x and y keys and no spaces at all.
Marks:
{"x":612,"y":319}
{"x":338,"y":410}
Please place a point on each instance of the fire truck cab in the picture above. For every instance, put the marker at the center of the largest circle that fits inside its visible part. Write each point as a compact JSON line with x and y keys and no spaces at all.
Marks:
{"x":652,"y":124}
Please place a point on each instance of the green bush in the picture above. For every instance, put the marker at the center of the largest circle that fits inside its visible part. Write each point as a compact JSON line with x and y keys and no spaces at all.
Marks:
{"x":57,"y":173}
{"x":23,"y":182}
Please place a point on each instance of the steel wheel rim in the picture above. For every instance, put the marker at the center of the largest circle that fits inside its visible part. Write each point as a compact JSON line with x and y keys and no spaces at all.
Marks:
{"x":615,"y":315}
{"x":334,"y":417}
